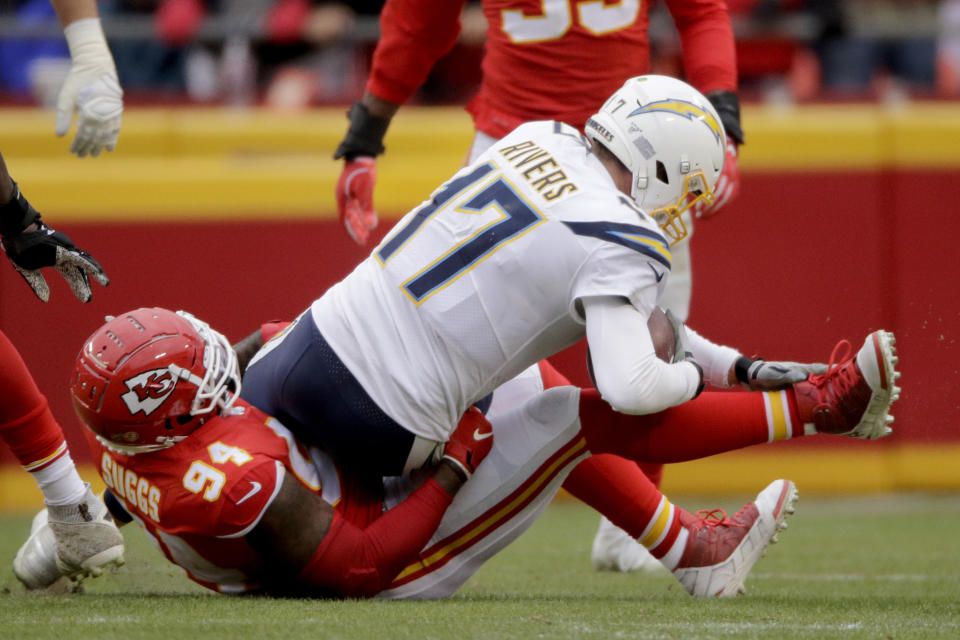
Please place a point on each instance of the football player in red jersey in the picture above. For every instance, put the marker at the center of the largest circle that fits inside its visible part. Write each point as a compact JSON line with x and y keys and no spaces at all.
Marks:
{"x":543,"y":60}
{"x":227,"y":492}
{"x":88,"y":539}
{"x":78,"y":519}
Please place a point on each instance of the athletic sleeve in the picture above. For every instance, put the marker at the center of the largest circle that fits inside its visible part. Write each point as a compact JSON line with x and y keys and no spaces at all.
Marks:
{"x":414,"y":34}
{"x":706,"y":36}
{"x":716,"y":360}
{"x":245,"y":502}
{"x":270,"y":330}
{"x":360,"y":562}
{"x":628,"y":373}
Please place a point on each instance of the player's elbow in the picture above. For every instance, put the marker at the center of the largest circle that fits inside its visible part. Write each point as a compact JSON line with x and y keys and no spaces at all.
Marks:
{"x":631,"y":403}
{"x":636,"y":393}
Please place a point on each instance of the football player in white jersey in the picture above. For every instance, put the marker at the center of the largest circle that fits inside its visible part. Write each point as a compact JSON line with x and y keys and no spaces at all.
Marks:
{"x":547,"y":237}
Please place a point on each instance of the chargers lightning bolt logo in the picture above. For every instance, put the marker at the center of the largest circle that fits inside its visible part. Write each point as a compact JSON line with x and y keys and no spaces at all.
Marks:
{"x":685,"y":109}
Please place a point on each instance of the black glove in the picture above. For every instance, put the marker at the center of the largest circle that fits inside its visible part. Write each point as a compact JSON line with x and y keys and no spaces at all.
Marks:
{"x":31,"y":251}
{"x":728,"y":108}
{"x":365,"y":135}
{"x":760,"y":375}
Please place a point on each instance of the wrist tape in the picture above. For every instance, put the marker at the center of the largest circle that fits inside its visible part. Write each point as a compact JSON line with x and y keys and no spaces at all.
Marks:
{"x":741,"y":369}
{"x":17,"y":215}
{"x":365,"y":135}
{"x":87,"y":43}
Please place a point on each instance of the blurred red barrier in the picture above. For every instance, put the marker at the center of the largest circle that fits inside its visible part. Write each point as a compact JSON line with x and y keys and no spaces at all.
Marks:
{"x":796,"y":263}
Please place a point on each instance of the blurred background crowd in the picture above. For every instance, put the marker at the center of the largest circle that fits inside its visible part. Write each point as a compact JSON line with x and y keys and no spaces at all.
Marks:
{"x":297,"y":53}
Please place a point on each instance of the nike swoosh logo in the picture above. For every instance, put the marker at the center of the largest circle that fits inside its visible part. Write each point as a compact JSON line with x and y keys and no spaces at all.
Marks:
{"x":481,"y":436}
{"x":253,"y":492}
{"x":657,"y":274}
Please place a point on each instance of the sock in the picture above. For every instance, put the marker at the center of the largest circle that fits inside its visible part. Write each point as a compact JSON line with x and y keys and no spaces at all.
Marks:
{"x":31,"y":432}
{"x":653,"y":470}
{"x":712,"y":423}
{"x":60,"y":482}
{"x":617,"y":488}
{"x":551,"y":377}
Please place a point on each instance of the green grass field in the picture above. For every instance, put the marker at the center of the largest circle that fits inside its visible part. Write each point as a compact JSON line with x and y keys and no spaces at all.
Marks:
{"x":864,"y":567}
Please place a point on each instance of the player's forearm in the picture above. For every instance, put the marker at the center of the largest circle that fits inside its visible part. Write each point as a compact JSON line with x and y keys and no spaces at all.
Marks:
{"x":16,"y":213}
{"x":359,"y":563}
{"x":414,"y":34}
{"x":706,"y":39}
{"x":6,"y":183}
{"x":69,"y":11}
{"x":628,"y":373}
{"x":717,"y":360}
{"x":247,"y":348}
{"x":379,"y":107}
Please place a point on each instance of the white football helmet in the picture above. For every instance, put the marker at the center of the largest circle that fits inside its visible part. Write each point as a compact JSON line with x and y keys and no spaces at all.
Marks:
{"x":671,"y":138}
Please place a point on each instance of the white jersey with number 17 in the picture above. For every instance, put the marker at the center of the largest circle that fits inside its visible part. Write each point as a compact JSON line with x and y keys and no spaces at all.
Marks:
{"x":483,"y":279}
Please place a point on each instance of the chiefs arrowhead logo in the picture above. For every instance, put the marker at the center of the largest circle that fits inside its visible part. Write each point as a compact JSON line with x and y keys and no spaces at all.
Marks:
{"x":148,"y":390}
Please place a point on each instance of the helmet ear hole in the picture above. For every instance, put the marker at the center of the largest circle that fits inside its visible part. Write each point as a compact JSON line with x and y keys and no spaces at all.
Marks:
{"x":662,"y":173}
{"x":176,"y":422}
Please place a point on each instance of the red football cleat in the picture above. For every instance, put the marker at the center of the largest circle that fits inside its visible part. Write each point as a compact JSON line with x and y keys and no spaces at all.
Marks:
{"x":721,"y":551}
{"x":854,"y":396}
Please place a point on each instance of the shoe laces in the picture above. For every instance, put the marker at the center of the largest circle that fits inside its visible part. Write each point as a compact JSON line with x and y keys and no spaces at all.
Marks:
{"x":714,"y":518}
{"x":845,"y":376}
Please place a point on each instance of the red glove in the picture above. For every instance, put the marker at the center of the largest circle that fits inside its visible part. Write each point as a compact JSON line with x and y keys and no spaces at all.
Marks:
{"x":727,"y":187}
{"x":177,"y":21}
{"x":469,"y":443}
{"x":285,"y":20}
{"x":355,"y":197}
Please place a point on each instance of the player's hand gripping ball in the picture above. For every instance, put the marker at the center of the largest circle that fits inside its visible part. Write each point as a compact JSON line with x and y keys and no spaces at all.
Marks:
{"x":663,"y":335}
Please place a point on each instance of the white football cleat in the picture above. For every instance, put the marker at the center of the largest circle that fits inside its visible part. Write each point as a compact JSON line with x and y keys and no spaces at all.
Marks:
{"x":721,"y":551}
{"x":87,"y":538}
{"x":70,"y":541}
{"x":35,"y":564}
{"x":614,"y":550}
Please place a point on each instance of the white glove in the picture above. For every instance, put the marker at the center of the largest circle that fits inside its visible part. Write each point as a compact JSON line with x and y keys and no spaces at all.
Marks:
{"x":92,"y":89}
{"x":760,"y":375}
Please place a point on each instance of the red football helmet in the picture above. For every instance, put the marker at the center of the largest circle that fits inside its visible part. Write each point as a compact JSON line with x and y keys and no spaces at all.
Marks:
{"x":148,"y":378}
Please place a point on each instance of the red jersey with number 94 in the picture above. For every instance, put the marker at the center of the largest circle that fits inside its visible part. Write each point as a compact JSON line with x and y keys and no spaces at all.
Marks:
{"x":199,"y":498}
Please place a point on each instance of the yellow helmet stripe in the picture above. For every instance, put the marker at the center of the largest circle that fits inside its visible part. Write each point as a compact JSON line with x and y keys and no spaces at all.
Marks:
{"x":683,"y":108}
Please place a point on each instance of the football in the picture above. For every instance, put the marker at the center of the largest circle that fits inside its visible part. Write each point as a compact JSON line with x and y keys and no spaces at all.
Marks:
{"x":661,"y":331}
